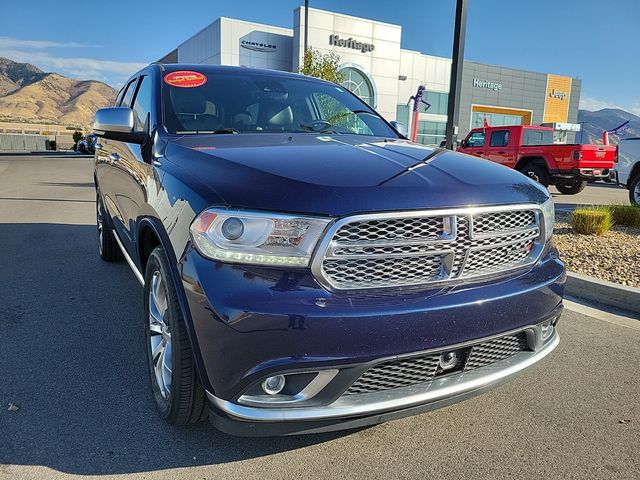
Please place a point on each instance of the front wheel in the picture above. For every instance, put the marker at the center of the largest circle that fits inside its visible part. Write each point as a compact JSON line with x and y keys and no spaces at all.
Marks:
{"x":174,"y":381}
{"x":571,"y":188}
{"x":634,"y":190}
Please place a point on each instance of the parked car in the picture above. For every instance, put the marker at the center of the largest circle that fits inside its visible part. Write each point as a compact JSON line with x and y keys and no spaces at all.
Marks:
{"x":87,"y":144}
{"x":627,"y":168}
{"x":305,"y":267}
{"x":531,"y":150}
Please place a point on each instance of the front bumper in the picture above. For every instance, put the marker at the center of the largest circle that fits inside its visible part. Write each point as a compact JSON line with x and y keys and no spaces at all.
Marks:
{"x":248,"y":323}
{"x":352,"y":411}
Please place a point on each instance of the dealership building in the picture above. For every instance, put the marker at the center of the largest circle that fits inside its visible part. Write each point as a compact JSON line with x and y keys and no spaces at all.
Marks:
{"x":385,"y":76}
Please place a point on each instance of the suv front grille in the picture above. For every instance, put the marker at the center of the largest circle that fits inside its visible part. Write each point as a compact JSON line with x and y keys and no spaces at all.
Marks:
{"x":424,"y":368}
{"x":397,"y":250}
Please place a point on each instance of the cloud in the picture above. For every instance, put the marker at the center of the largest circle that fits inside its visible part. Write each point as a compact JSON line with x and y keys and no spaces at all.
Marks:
{"x":594,"y":104}
{"x":81,"y":68}
{"x":9,"y":42}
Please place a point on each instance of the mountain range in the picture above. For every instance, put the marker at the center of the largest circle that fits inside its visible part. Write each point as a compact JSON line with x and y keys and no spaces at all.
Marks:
{"x":28,"y":94}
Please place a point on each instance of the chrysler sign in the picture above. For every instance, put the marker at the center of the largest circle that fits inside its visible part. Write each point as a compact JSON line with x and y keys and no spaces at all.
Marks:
{"x":258,"y":46}
{"x":336,"y":41}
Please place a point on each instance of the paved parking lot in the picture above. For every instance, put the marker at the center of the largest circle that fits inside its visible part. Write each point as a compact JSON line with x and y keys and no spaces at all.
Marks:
{"x":598,"y":193}
{"x":72,"y":361}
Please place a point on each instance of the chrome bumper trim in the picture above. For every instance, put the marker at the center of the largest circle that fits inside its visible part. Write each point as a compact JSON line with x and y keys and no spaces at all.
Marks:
{"x":396,"y":399}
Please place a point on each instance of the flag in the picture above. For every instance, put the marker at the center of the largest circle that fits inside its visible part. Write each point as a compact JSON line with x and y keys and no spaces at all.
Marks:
{"x":486,"y":124}
{"x":620,"y":128}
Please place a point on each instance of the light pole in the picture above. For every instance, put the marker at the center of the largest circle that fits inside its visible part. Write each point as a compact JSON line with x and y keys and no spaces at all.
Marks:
{"x":306,"y":25}
{"x":457,"y":64}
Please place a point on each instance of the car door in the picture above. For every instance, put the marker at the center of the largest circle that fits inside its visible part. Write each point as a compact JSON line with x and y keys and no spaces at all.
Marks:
{"x":108,"y":172}
{"x":474,"y":144}
{"x":500,"y":148}
{"x":136,"y":173}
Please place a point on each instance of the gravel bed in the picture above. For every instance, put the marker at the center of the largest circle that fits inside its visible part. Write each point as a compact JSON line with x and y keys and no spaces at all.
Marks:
{"x":614,"y":256}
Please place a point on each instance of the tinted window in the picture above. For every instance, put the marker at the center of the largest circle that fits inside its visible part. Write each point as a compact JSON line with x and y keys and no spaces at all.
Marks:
{"x":499,"y":138}
{"x":263,"y":102}
{"x":532,"y":136}
{"x":142,"y":104}
{"x":476,"y":139}
{"x":126,"y":99}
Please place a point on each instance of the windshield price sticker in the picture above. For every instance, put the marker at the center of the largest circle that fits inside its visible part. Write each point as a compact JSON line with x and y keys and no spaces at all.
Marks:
{"x":185,"y":79}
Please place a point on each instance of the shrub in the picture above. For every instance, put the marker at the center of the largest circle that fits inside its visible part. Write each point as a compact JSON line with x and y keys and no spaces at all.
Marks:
{"x":592,"y":220}
{"x":626,"y":215}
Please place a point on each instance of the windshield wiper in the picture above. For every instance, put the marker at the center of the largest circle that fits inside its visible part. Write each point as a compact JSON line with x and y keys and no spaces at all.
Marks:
{"x":208,"y":132}
{"x":319,"y":126}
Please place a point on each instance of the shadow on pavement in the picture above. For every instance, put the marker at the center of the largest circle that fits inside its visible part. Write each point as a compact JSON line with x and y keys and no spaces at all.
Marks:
{"x":73,"y":361}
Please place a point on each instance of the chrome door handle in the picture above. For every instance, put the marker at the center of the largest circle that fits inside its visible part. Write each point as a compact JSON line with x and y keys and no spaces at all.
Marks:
{"x":114,"y":157}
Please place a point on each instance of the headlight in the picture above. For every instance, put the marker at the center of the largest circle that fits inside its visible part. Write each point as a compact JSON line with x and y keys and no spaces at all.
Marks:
{"x":256,"y":238}
{"x":549,"y":215}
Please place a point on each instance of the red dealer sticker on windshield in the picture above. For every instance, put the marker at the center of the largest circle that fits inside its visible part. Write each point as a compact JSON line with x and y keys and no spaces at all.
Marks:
{"x":185,"y":79}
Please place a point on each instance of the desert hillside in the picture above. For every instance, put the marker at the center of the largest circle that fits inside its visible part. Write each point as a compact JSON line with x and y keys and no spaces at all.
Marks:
{"x":27,"y":94}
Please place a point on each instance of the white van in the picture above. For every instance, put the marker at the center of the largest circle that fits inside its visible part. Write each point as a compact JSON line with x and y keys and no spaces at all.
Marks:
{"x":628,"y":167}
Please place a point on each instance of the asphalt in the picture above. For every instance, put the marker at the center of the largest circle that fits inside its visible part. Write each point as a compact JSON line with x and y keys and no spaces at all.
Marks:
{"x":72,"y":361}
{"x":597,"y":193}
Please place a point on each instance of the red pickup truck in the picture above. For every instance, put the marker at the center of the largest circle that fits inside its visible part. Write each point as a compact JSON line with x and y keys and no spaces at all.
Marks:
{"x":531,"y":150}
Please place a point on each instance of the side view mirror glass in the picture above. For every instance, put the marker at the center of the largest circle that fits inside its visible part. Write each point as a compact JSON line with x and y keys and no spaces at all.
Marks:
{"x":116,"y":123}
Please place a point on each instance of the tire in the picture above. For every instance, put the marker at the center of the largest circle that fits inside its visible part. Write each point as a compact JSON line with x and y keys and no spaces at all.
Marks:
{"x":634,"y":190}
{"x":179,"y":397}
{"x":537,"y":173}
{"x":571,"y":188}
{"x":107,"y":246}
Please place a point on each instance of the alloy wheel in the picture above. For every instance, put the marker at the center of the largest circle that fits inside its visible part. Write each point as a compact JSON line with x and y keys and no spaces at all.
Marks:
{"x":636,"y":193}
{"x":160,"y":335}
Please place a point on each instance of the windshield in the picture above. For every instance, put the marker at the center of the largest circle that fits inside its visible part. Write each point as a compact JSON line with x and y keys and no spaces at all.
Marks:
{"x":231,"y":102}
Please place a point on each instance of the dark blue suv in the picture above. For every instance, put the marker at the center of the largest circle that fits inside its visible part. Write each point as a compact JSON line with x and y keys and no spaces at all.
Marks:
{"x":306,"y":267}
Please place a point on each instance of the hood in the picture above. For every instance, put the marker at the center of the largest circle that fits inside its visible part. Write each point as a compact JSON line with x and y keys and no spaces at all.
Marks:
{"x":343,"y":174}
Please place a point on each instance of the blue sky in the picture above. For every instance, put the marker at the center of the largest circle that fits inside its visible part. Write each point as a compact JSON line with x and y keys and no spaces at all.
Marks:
{"x":596,"y":41}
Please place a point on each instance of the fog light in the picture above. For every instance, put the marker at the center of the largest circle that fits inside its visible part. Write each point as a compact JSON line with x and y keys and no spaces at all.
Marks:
{"x":232,"y":228}
{"x":547,"y":329}
{"x":448,"y":360}
{"x":273,"y":385}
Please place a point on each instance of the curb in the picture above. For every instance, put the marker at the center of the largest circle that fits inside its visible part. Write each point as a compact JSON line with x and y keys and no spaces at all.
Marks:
{"x":602,"y":291}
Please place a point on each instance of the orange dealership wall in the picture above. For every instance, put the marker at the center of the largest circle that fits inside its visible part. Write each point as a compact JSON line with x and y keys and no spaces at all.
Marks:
{"x":556,"y":105}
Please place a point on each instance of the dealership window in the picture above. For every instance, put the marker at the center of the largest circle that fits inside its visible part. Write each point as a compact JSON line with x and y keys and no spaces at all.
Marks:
{"x":402,"y":114}
{"x":438,"y":102}
{"x":358,"y":83}
{"x":494,"y":119}
{"x":431,"y":133}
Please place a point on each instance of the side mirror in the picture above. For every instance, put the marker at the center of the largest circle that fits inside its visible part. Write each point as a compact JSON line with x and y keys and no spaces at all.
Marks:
{"x":116,"y":123}
{"x":464,"y":144}
{"x":400,"y":128}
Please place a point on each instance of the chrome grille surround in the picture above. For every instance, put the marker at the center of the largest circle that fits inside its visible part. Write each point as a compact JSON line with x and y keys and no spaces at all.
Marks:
{"x":428,"y":247}
{"x":406,"y":371}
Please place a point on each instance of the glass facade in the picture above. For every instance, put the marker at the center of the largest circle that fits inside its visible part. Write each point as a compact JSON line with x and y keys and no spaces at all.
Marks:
{"x":438,"y":102}
{"x":431,"y":133}
{"x":494,"y":119}
{"x":402,"y":114}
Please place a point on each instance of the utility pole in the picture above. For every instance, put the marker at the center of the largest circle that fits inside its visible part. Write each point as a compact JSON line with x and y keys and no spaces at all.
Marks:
{"x":457,"y":64}
{"x":306,"y":25}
